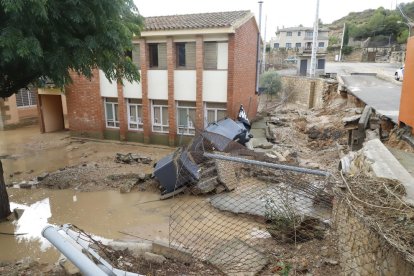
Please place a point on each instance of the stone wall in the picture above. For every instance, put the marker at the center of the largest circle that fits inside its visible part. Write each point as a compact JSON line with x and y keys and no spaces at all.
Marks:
{"x":307,"y":92}
{"x":362,"y":251}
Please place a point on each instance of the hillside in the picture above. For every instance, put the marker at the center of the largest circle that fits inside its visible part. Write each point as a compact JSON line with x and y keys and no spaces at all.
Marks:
{"x":380,"y":24}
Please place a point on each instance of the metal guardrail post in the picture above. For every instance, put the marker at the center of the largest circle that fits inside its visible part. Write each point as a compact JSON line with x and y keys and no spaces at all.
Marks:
{"x":266,"y":164}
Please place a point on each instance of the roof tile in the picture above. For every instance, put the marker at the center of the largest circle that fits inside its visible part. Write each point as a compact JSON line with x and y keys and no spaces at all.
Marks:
{"x":194,"y":21}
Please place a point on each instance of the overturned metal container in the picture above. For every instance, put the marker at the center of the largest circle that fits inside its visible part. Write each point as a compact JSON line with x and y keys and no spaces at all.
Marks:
{"x":176,"y":170}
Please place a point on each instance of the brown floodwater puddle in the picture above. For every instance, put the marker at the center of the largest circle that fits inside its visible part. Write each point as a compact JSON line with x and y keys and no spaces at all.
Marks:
{"x":105,"y":214}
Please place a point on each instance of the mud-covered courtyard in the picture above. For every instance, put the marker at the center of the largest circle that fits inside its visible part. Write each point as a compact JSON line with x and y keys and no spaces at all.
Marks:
{"x":58,"y":179}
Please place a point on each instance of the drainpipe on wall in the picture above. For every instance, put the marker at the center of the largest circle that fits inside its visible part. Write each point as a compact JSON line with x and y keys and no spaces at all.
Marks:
{"x":258,"y":48}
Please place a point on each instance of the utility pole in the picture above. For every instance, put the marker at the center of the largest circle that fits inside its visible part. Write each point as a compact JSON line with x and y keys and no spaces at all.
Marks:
{"x":315,"y":42}
{"x":342,"y":43}
{"x":264,"y":47}
{"x":258,"y":47}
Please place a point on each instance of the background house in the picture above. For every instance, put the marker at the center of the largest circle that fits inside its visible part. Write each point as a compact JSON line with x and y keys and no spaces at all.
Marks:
{"x":299,"y":39}
{"x":195,"y":69}
{"x":19,"y":109}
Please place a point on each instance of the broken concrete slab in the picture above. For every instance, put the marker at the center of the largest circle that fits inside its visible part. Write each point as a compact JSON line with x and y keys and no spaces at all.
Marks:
{"x":205,"y":186}
{"x":137,"y":248}
{"x":258,"y":202}
{"x":236,"y":256}
{"x":385,"y":165}
{"x":261,"y":143}
{"x":154,"y":258}
{"x":226,"y":174}
{"x":171,"y":252}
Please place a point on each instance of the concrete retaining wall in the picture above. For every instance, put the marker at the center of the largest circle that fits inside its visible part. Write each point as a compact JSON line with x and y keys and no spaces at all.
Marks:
{"x":305,"y":91}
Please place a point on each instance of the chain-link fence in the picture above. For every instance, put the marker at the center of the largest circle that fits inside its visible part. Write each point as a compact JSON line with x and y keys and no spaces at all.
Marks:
{"x":245,"y":213}
{"x":252,"y":215}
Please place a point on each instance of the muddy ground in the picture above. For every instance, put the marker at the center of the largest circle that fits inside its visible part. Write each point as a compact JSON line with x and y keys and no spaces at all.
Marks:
{"x":309,"y":138}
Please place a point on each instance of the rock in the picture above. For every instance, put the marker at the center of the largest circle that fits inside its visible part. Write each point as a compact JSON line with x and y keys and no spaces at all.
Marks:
{"x":331,"y":261}
{"x":68,"y":266}
{"x":220,"y":189}
{"x":24,"y":185}
{"x":18,"y":213}
{"x":126,"y":187}
{"x":130,"y":158}
{"x":205,"y":186}
{"x":154,"y":258}
{"x":226,"y":174}
{"x":137,"y":248}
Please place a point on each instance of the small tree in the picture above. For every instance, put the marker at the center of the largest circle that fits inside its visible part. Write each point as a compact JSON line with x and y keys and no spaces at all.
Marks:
{"x":41,"y":39}
{"x":46,"y":39}
{"x":271,"y":83}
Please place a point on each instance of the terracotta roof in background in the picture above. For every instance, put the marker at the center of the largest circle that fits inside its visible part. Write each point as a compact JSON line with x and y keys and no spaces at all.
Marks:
{"x":194,"y":21}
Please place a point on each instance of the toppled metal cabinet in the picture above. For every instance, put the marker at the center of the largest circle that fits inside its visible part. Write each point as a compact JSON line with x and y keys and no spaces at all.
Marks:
{"x":233,"y":130}
{"x":176,"y":170}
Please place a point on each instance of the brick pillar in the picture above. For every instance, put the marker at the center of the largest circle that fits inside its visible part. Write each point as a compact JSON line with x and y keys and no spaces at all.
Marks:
{"x":199,"y":120}
{"x":230,"y":78}
{"x":171,"y":101}
{"x":146,"y":105}
{"x":86,"y":113}
{"x":122,"y":113}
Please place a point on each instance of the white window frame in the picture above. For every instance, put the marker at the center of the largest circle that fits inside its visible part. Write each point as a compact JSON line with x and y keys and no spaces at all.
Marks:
{"x":164,"y":127}
{"x":215,"y":109}
{"x":139,"y":122}
{"x":115,"y":122}
{"x":24,"y":96}
{"x":188,"y":129}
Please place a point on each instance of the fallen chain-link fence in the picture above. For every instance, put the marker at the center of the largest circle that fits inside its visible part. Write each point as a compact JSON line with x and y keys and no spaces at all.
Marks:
{"x":251,"y":215}
{"x":246,"y":213}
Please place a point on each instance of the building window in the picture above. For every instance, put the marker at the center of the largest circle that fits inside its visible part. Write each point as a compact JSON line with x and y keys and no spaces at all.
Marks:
{"x":214,"y":112}
{"x":136,"y":58}
{"x":298,"y":45}
{"x":299,"y":33}
{"x":288,"y":33}
{"x":288,"y":45}
{"x":321,"y":63}
{"x":276,"y":45}
{"x":135,"y":114}
{"x":185,"y":117}
{"x":160,"y":116}
{"x":185,"y":55}
{"x":321,"y":44}
{"x":180,"y":48}
{"x":309,"y":34}
{"x":210,"y":55}
{"x":111,"y":112}
{"x":157,"y":55}
{"x":26,"y":97}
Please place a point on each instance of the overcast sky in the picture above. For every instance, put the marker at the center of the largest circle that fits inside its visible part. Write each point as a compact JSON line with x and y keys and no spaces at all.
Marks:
{"x":287,"y":13}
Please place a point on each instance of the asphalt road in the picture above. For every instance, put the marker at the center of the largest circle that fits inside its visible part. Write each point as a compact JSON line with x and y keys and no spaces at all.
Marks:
{"x":381,"y":92}
{"x":383,"y":96}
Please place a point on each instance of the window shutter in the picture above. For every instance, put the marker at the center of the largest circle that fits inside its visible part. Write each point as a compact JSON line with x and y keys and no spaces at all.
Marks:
{"x":210,"y":55}
{"x":162,"y":56}
{"x":136,"y":55}
{"x":190,"y":55}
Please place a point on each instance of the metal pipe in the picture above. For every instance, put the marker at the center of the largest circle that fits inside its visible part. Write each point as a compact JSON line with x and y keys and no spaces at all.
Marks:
{"x":86,"y":245}
{"x":85,"y":265}
{"x":266,"y":164}
{"x":258,"y":48}
{"x":315,"y":42}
